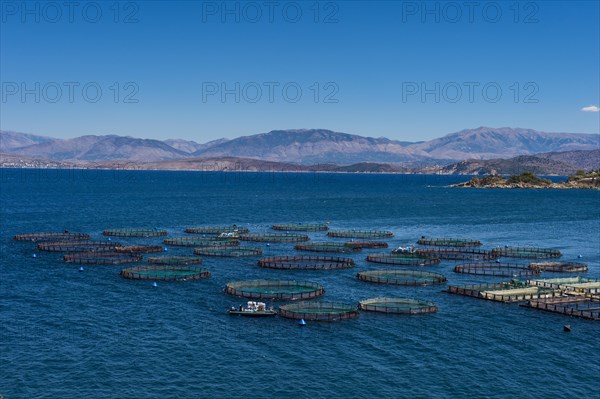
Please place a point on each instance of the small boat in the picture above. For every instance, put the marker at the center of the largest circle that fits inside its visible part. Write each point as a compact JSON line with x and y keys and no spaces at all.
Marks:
{"x":404,"y":250}
{"x":229,"y":235}
{"x":252,"y":309}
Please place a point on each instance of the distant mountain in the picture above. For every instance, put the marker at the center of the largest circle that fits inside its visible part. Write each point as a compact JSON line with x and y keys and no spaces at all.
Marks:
{"x":13,"y":140}
{"x":488,"y":143}
{"x":313,"y":146}
{"x":102,"y":148}
{"x":584,"y":160}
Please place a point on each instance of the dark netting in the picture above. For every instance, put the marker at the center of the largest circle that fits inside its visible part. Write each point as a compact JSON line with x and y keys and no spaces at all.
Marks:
{"x":234,"y":252}
{"x":318,"y":311}
{"x":201,"y":242}
{"x":496,"y":269}
{"x":401,"y":277}
{"x":366,"y":244}
{"x":306,"y":262}
{"x":134,"y":232}
{"x":527,"y":252}
{"x":403,"y":258}
{"x":456,"y":253}
{"x":139,"y":249}
{"x":216,"y":230}
{"x":448,"y":242}
{"x":37,"y":237}
{"x":373,"y":234}
{"x":327,"y":247}
{"x":275,"y":289}
{"x":274,"y":237}
{"x":559,"y":267}
{"x":175,"y":260}
{"x":510,"y":291}
{"x":582,"y":307}
{"x":166,"y":273}
{"x":397,"y":306}
{"x":300,"y":227}
{"x":102,"y":258}
{"x":78,"y":246}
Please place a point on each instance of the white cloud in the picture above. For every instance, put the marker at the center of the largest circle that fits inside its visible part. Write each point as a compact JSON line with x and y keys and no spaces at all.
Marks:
{"x":591,"y":108}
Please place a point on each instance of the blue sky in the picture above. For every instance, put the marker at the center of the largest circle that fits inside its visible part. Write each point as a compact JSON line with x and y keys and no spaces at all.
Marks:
{"x":205,"y":70}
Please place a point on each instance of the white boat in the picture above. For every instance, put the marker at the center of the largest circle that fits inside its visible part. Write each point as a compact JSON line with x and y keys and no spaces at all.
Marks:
{"x":252,"y":309}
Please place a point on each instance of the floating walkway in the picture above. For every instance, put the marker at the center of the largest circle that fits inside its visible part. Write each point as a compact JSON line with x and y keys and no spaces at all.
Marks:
{"x":319,"y":311}
{"x":274,"y":237}
{"x":230,"y":252}
{"x":401,"y":277}
{"x":327,"y":247}
{"x":367,"y":234}
{"x":526,"y":252}
{"x":579,"y":285}
{"x":134,"y":232}
{"x":581,"y":307}
{"x":448,"y":242}
{"x":37,"y":237}
{"x":403,"y":258}
{"x":275,"y":289}
{"x":560,"y":267}
{"x":513,"y":291}
{"x":306,"y":262}
{"x":397,"y":306}
{"x":496,"y":269}
{"x":165,"y":273}
{"x":300,"y":227}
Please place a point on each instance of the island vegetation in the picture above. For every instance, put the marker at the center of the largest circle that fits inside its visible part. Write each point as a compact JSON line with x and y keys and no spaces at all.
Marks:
{"x":580,"y":179}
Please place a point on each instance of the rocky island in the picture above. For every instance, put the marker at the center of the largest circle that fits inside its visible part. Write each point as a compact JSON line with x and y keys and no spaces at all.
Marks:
{"x":581,"y":179}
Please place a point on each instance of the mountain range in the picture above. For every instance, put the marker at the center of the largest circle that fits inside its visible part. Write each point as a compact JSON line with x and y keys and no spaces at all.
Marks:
{"x":319,"y":146}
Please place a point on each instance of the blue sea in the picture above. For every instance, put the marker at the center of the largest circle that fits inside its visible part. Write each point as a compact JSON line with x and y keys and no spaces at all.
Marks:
{"x":92,"y":334}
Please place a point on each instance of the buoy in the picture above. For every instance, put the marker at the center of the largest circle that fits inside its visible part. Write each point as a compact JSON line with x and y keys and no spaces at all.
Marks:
{"x":301,"y":322}
{"x":34,"y":256}
{"x":165,"y":249}
{"x":81,"y":268}
{"x":567,"y":328}
{"x":580,"y":256}
{"x":506,"y":246}
{"x":154,"y":284}
{"x":268,"y":245}
{"x":109,"y":239}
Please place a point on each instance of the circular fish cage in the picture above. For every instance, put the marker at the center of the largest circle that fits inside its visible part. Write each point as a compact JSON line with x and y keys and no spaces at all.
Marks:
{"x":165,"y":273}
{"x":496,"y":269}
{"x":175,"y":260}
{"x":139,"y":249}
{"x":102,"y":258}
{"x":448,"y":242}
{"x":526,"y":252}
{"x":37,"y":237}
{"x":327,"y":247}
{"x":306,"y":262}
{"x":275,"y":289}
{"x":318,"y":311}
{"x":216,"y":230}
{"x":275,"y":237}
{"x":201,"y":241}
{"x":300,"y":227}
{"x":403,"y":258}
{"x":397,"y":306}
{"x":78,"y":246}
{"x":559,"y":267}
{"x":134,"y":232}
{"x":366,"y":244}
{"x":372,"y":234}
{"x":232,"y":252}
{"x":456,"y":253}
{"x":401,"y":277}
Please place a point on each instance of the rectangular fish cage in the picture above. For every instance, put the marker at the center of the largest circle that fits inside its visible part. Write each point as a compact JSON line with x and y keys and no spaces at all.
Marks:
{"x":134,"y":232}
{"x":581,"y":307}
{"x":526,"y":252}
{"x":78,"y":246}
{"x":102,"y":258}
{"x":560,"y":267}
{"x":512,"y":291}
{"x":580,"y":285}
{"x":448,"y":253}
{"x":216,"y":230}
{"x":45,"y":237}
{"x":300,"y":227}
{"x":448,"y":242}
{"x":366,"y":234}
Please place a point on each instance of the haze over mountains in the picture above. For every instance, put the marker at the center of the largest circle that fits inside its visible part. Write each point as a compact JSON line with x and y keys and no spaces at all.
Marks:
{"x":305,"y":146}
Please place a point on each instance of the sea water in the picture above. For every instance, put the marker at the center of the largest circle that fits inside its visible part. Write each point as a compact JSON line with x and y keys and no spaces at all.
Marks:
{"x":66,"y":333}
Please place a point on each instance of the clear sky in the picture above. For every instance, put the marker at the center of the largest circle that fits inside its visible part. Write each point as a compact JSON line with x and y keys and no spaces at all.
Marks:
{"x":205,"y":70}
